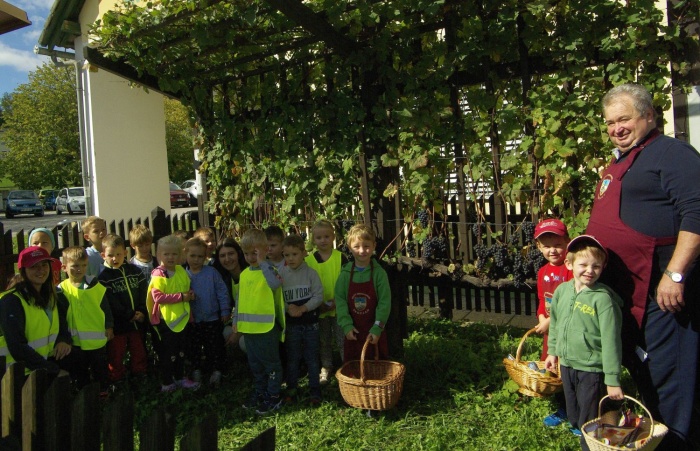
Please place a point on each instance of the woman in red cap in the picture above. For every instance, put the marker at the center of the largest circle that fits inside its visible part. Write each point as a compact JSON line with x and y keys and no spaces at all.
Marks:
{"x":33,"y":316}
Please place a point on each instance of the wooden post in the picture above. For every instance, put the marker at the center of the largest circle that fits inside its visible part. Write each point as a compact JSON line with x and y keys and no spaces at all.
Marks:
{"x":11,"y":389}
{"x":203,"y":436}
{"x":158,"y":431}
{"x":118,"y":434}
{"x":56,"y":422}
{"x":85,"y":414}
{"x":263,"y":442}
{"x":161,"y":225}
{"x":33,"y":411}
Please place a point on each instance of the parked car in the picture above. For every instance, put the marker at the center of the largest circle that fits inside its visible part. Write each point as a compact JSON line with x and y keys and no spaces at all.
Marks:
{"x":192,"y":187}
{"x":178,"y":197}
{"x":23,"y":202}
{"x":71,"y":200}
{"x":48,"y":198}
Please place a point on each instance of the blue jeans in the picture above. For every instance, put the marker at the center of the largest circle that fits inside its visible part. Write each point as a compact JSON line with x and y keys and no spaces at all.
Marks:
{"x":303,"y":340}
{"x":264,"y":360}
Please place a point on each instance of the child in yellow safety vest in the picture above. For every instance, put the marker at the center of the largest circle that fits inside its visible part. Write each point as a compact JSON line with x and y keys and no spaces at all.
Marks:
{"x":89,"y":320}
{"x":259,"y":317}
{"x":168,"y":305}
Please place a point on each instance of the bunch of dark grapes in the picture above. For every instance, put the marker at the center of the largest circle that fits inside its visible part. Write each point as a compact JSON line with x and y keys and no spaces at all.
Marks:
{"x":346,"y":224}
{"x":528,"y":229}
{"x":422,"y":217}
{"x":482,"y":255}
{"x":429,"y":248}
{"x":535,"y":259}
{"x":514,"y":239}
{"x":478,"y":229}
{"x":501,"y":260}
{"x":441,"y":245}
{"x":343,"y":248}
{"x":411,"y":248}
{"x":303,"y":235}
{"x":520,"y":270}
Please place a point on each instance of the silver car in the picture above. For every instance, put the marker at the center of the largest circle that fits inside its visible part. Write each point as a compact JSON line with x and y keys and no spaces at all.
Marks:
{"x":71,"y":200}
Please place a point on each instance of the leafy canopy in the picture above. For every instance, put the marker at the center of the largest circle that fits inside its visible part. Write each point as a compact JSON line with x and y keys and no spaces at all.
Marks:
{"x":505,"y":92}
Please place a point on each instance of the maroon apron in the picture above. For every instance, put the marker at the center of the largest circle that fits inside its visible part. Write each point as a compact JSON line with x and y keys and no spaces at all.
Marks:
{"x":631,"y":253}
{"x":362,"y":304}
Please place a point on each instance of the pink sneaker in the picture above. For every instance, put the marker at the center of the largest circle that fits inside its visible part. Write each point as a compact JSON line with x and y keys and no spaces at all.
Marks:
{"x":168,"y":388}
{"x":188,"y":384}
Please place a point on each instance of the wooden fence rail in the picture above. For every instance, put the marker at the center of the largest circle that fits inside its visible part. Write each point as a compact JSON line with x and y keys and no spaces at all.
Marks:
{"x":36,"y":416}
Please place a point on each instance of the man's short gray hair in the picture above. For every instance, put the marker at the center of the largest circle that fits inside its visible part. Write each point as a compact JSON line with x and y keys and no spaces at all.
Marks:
{"x":641,"y":98}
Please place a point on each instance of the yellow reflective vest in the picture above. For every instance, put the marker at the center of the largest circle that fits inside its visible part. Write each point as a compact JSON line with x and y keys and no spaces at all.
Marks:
{"x":176,"y":315}
{"x":86,"y":320}
{"x":259,"y":307}
{"x":328,"y":271}
{"x":40,"y":331}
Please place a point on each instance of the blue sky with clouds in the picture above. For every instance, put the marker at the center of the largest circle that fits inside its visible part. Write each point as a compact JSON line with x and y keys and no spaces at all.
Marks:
{"x":17,"y":56}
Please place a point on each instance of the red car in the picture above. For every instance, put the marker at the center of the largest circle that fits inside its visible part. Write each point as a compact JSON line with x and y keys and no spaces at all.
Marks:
{"x":178,"y":197}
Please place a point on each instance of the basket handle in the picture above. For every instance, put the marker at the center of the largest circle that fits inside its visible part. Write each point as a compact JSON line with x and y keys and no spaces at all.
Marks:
{"x":519,"y":352}
{"x":362,"y":357}
{"x":651,"y":429}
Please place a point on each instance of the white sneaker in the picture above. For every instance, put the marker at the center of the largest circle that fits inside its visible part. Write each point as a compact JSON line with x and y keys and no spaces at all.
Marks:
{"x":323,"y":377}
{"x":215,"y":378}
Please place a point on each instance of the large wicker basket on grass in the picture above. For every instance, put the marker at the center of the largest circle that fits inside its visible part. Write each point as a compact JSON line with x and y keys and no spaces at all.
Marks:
{"x":531,"y":382}
{"x":371,"y":384}
{"x":647,"y":438}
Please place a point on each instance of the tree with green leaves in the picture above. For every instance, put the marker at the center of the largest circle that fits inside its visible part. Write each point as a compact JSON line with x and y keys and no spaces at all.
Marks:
{"x":179,"y":140}
{"x":41,"y":130}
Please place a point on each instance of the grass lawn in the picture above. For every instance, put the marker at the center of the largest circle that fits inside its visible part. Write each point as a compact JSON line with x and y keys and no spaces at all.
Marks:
{"x":456,"y":395}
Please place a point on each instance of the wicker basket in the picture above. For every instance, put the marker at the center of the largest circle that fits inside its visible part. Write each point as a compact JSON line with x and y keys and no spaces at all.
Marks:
{"x":379,"y":385}
{"x":653,"y":432}
{"x":532,"y":383}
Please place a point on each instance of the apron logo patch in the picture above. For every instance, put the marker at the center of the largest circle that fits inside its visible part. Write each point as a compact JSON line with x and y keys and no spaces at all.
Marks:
{"x":604,"y":184}
{"x":359,"y":300}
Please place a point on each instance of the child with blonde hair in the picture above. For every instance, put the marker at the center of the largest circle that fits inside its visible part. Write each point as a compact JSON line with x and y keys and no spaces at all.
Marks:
{"x":168,"y":305}
{"x":327,"y":261}
{"x":94,"y":230}
{"x":141,"y":241}
{"x":260,"y":318}
{"x":363,"y":297}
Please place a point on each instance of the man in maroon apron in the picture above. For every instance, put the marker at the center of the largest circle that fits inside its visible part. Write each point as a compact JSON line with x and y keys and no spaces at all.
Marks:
{"x":647,"y":213}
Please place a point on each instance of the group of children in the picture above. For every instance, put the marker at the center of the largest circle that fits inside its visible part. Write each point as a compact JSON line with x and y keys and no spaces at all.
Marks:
{"x":285,"y":307}
{"x":581,"y":321}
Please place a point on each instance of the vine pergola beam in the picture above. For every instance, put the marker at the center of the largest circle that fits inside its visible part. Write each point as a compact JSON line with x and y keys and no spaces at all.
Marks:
{"x":315,"y":24}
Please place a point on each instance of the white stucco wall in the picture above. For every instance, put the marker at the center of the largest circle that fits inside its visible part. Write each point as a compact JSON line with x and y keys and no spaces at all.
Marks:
{"x":124,"y":131}
{"x":694,"y":117}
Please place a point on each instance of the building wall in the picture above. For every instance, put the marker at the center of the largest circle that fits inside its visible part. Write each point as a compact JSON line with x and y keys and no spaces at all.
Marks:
{"x":124,"y":133}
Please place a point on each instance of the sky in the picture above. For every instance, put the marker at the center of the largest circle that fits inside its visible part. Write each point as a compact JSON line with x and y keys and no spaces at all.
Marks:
{"x":17,"y":56}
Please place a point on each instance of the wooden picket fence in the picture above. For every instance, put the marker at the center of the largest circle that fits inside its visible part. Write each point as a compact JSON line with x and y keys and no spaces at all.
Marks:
{"x":36,"y":415}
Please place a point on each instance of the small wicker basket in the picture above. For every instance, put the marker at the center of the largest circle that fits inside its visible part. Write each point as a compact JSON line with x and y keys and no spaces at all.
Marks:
{"x":379,"y":384}
{"x":647,"y":438}
{"x":532,"y":383}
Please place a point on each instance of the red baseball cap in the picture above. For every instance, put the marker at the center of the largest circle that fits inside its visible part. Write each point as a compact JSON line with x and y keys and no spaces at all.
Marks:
{"x":552,"y":225}
{"x":583,"y":240}
{"x":33,"y":255}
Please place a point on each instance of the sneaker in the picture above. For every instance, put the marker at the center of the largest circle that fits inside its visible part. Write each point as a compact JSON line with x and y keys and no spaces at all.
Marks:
{"x":168,"y":388}
{"x":268,"y":405}
{"x":215,"y":378}
{"x":323,"y":377}
{"x":555,"y":419}
{"x":197,"y":376}
{"x":253,"y":402}
{"x":576,"y":432}
{"x":188,"y":384}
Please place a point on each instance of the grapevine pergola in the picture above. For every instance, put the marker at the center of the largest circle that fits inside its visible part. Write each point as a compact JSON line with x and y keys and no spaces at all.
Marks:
{"x":317,"y":98}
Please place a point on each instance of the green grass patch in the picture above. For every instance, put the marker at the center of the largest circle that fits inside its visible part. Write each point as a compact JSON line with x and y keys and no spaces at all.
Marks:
{"x":457,"y":395}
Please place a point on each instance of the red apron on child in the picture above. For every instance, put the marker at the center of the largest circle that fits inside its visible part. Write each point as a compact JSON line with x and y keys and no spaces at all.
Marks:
{"x":362,"y":305}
